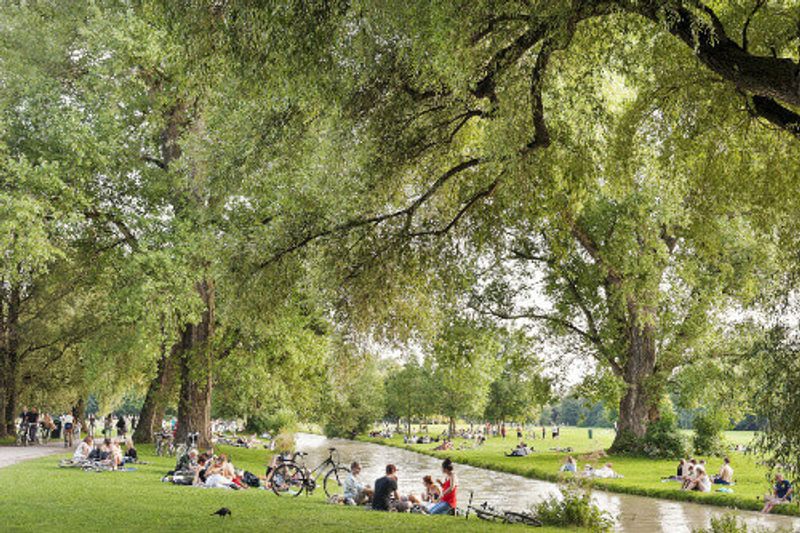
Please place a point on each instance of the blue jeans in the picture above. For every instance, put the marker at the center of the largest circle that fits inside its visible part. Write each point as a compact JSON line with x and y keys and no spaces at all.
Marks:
{"x":440,"y":508}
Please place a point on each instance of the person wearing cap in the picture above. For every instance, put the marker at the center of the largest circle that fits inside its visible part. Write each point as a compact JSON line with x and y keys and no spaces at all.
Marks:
{"x":385,"y":496}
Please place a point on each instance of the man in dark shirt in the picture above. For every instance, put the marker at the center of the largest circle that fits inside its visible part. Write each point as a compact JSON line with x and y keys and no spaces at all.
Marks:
{"x":386,"y":497}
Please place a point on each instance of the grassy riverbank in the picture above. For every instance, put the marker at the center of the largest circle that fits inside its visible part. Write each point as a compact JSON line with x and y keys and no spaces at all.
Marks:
{"x":37,"y":495}
{"x":642,"y":476}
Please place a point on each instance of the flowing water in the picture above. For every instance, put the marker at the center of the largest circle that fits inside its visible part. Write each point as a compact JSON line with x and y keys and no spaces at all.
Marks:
{"x":511,"y":492}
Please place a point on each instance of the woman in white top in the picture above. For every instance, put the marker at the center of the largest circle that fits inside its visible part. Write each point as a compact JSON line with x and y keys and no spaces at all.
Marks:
{"x":83,"y":449}
{"x":701,"y":481}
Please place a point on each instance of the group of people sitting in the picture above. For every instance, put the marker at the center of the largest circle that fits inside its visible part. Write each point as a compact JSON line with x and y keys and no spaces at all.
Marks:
{"x":210,"y":471}
{"x":521,"y":450}
{"x":604,"y":472}
{"x":437,"y":497}
{"x":694,"y":476}
{"x":107,"y":452}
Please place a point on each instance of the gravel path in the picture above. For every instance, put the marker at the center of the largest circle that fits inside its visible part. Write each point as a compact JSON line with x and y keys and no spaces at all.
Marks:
{"x":10,"y":455}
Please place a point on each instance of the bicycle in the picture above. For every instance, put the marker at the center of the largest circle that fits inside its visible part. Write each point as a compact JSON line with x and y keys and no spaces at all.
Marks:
{"x":189,"y":444}
{"x":165,"y":444}
{"x":292,"y":477}
{"x":486,"y":512}
{"x":23,"y":434}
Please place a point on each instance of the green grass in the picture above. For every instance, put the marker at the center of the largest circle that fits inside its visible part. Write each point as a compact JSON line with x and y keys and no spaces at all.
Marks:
{"x":642,"y":476}
{"x":37,"y":495}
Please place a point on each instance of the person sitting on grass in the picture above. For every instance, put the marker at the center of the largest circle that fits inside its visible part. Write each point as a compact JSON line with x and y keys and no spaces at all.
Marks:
{"x":187,"y":461}
{"x":570,"y":465}
{"x":607,"y":472}
{"x":725,"y":476}
{"x":83,"y":450}
{"x":782,"y":493}
{"x":131,"y":455}
{"x":447,"y":501}
{"x":520,"y":451}
{"x":689,"y":473}
{"x":215,"y":476}
{"x":386,"y":497}
{"x":115,"y":455}
{"x":701,"y":482}
{"x":429,"y":497}
{"x":355,"y":491}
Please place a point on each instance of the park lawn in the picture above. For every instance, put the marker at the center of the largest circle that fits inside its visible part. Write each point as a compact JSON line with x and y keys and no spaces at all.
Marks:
{"x":642,"y":475}
{"x":37,"y":495}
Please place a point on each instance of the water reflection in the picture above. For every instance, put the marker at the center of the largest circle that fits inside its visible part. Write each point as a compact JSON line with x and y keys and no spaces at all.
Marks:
{"x":632,"y":513}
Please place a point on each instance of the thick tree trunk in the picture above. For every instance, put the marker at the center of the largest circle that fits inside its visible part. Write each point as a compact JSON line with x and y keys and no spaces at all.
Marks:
{"x":638,"y":406}
{"x":194,"y":404}
{"x":155,"y":402}
{"x":451,"y":427}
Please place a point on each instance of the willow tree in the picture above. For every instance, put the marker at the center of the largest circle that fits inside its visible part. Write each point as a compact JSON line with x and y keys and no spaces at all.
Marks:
{"x":604,"y":140}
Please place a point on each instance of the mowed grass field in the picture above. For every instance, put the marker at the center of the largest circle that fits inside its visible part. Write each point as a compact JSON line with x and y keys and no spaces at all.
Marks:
{"x":38,"y":496}
{"x":642,"y":475}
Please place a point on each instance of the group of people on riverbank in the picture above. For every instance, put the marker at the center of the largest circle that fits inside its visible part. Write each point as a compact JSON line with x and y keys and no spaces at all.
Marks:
{"x":437,"y":497}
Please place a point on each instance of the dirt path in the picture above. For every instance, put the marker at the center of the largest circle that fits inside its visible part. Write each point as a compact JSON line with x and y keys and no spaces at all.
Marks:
{"x":10,"y":455}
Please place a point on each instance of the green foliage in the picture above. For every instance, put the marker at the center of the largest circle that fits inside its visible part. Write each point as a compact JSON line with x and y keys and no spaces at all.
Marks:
{"x":730,"y":523}
{"x":574,"y":508}
{"x":708,"y":427}
{"x":356,"y":398}
{"x":281,"y":421}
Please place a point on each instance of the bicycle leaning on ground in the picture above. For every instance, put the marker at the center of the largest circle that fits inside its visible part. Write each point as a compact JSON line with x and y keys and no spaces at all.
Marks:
{"x":292,"y":477}
{"x":485,"y":511}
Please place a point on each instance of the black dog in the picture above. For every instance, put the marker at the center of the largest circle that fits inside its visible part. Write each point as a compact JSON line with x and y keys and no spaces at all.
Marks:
{"x":223,"y":512}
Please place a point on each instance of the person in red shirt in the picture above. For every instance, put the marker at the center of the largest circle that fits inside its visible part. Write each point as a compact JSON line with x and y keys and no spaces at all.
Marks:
{"x":447,"y":501}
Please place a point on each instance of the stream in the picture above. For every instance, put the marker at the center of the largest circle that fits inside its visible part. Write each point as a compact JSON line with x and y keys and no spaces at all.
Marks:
{"x":512,"y":492}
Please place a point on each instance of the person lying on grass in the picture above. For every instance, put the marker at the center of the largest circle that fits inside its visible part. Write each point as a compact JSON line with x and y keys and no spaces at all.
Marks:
{"x":782,"y":493}
{"x":701,"y":482}
{"x":725,"y":476}
{"x":445,"y":445}
{"x":520,"y":451}
{"x":606,"y":472}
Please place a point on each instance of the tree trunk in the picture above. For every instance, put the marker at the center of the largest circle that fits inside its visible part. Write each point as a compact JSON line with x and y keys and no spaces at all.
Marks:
{"x":155,"y":402}
{"x":78,"y":410}
{"x":637,"y":406}
{"x":451,"y":427}
{"x":10,"y":368}
{"x":194,"y":404}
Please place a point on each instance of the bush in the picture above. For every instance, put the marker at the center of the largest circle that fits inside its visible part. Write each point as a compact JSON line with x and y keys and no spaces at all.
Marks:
{"x":573,"y":509}
{"x":663,"y":439}
{"x":277,"y":422}
{"x":708,"y":434}
{"x":729,"y":524}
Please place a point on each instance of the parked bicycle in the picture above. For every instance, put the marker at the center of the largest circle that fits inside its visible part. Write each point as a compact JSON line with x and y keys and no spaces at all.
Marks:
{"x":27,"y":434}
{"x":292,"y":477}
{"x":189,"y":444}
{"x":165,"y":444}
{"x":486,"y":512}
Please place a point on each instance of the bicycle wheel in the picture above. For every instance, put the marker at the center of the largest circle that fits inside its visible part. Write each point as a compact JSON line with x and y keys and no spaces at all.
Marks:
{"x":288,"y":479}
{"x":513,"y":517}
{"x":334,"y":481}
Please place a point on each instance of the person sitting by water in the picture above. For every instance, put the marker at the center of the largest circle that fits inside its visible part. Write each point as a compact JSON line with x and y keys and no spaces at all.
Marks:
{"x":429,"y":497}
{"x":570,"y":465}
{"x":607,"y":472}
{"x":83,"y":450}
{"x":782,"y":493}
{"x":689,"y":473}
{"x":445,"y":445}
{"x":520,"y":451}
{"x":355,"y":491}
{"x":701,"y":481}
{"x":385,"y":496}
{"x":447,"y":500}
{"x":725,"y":476}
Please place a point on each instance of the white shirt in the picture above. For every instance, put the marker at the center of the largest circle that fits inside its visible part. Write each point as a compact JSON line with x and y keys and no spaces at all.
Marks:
{"x":81,"y":452}
{"x":67,"y":419}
